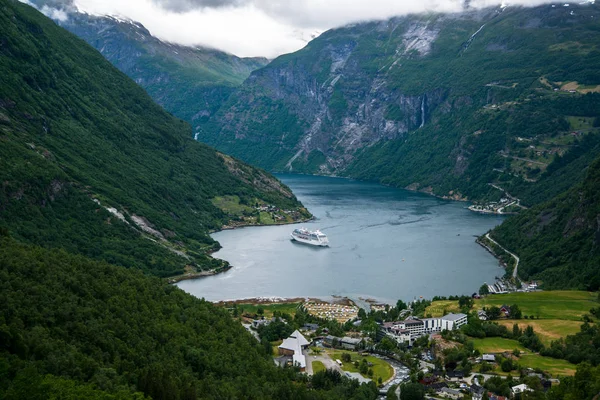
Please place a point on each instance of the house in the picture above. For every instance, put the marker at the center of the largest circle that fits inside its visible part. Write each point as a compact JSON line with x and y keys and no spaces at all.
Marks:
{"x":454,"y":374}
{"x":453,"y":321}
{"x":310,"y":327}
{"x":488,"y":358}
{"x":505,"y":310}
{"x":438,"y":385}
{"x":477,"y":392}
{"x":330,"y":341}
{"x":450,"y":393}
{"x":261,"y":322}
{"x":482,"y":315}
{"x":520,"y":389}
{"x":412,"y":328}
{"x":294,"y":346}
{"x":349,"y":343}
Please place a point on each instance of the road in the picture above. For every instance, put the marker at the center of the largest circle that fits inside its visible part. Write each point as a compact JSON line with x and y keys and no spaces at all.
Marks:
{"x":487,"y":235}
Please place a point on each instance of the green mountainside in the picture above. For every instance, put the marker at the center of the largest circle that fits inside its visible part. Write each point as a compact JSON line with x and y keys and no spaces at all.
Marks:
{"x":479,"y":105}
{"x":189,"y":82}
{"x":559,"y":241}
{"x":93,"y":171}
{"x":89,"y":163}
{"x":434,"y":102}
{"x":72,"y":328}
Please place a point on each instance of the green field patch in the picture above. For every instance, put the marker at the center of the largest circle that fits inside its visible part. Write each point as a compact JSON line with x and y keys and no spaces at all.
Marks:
{"x":442,"y":307}
{"x":581,"y":123}
{"x":231,"y":205}
{"x":265,"y":218}
{"x":275,"y":347}
{"x":551,"y":365}
{"x":547,"y":329}
{"x":563,"y":305}
{"x":318,"y":366}
{"x":381,"y":368}
{"x":267,"y":309}
{"x":498,"y":345}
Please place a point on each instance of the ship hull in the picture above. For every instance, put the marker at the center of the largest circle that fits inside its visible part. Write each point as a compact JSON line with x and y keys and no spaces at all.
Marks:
{"x":308,"y":241}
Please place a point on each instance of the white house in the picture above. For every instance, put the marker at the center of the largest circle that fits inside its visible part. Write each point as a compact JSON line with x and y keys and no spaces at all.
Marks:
{"x":293,"y":346}
{"x":520,"y":389}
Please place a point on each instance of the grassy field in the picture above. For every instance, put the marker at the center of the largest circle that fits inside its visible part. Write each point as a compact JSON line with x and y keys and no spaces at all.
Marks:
{"x":268,"y":309}
{"x":562,"y":305}
{"x":497,"y":345}
{"x":558,"y":305}
{"x":547,"y":329}
{"x":380,"y":367}
{"x":527,"y":359}
{"x":441,"y":308}
{"x":275,"y":347}
{"x":551,"y":365}
{"x":231,"y":205}
{"x":317,"y":366}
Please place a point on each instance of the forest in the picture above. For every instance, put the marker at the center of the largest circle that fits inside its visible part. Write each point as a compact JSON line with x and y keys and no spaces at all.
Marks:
{"x":91,"y":164}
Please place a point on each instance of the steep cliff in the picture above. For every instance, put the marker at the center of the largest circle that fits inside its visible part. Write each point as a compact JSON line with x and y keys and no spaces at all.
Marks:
{"x":442,"y":103}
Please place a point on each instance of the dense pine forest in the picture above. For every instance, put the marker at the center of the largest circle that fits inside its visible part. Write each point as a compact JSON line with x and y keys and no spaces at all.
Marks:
{"x":75,"y":328}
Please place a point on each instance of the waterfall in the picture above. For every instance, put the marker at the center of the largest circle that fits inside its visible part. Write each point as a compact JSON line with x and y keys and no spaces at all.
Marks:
{"x":422,"y":112}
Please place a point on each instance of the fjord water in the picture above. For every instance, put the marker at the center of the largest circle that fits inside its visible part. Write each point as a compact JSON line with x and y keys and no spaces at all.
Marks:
{"x":385,"y":243}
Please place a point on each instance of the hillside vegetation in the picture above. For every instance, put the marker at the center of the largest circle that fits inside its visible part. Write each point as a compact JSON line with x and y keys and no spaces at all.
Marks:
{"x":559,"y":241}
{"x":75,"y":328}
{"x":190,"y":82}
{"x":91,"y":164}
{"x":93,"y":171}
{"x":444,"y":103}
{"x":479,"y":105}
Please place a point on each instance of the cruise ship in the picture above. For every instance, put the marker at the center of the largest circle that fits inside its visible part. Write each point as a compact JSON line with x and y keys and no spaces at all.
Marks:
{"x":315,"y":238}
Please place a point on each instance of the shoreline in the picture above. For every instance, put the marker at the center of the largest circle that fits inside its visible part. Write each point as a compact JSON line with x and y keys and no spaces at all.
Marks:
{"x":491,"y":251}
{"x":227,"y":267}
{"x":340,"y":300}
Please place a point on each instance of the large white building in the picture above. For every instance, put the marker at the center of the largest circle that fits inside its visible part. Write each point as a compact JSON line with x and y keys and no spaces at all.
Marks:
{"x":411,"y":328}
{"x":293,"y":346}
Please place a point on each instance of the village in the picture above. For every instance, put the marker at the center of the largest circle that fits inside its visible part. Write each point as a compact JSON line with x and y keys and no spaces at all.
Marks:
{"x":398,"y":345}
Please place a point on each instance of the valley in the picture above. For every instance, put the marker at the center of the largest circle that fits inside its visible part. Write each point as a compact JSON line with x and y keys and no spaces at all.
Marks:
{"x":139,"y":262}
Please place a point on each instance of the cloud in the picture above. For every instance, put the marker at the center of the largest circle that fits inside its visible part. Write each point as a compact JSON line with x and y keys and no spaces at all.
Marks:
{"x":262,"y":27}
{"x":188,"y":5}
{"x":54,"y":13}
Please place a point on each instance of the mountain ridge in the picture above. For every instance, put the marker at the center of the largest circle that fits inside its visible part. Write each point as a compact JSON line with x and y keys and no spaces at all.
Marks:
{"x":354,"y":90}
{"x":91,"y":164}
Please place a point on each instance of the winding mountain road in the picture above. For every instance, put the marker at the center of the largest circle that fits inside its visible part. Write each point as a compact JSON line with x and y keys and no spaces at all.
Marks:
{"x":487,"y":235}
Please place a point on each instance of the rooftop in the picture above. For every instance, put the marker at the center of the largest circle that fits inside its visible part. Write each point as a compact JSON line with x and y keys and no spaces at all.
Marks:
{"x":454,"y":317}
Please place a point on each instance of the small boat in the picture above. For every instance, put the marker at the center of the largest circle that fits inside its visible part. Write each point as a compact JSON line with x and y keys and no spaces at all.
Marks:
{"x":315,"y":238}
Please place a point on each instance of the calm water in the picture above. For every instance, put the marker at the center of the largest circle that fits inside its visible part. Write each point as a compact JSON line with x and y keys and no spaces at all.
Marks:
{"x":385,"y":243}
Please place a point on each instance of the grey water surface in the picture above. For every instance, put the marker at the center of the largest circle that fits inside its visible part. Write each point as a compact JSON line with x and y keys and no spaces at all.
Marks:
{"x":385,"y":243}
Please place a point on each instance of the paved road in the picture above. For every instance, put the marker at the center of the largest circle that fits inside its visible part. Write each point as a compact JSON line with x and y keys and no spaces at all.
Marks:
{"x":487,"y":235}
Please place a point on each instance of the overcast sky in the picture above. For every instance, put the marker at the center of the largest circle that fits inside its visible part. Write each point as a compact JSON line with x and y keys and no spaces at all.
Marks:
{"x":260,"y":27}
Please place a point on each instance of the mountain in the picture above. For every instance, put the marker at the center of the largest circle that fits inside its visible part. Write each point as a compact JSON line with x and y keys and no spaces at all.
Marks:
{"x":89,"y":163}
{"x":189,"y":82}
{"x":73,"y":328}
{"x":559,"y":241}
{"x":442,"y":103}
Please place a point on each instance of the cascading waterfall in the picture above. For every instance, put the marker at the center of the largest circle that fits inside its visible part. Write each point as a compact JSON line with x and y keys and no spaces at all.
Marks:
{"x":422,"y":112}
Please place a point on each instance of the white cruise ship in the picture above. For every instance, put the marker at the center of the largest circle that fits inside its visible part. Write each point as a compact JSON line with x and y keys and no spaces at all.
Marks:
{"x":316,"y":238}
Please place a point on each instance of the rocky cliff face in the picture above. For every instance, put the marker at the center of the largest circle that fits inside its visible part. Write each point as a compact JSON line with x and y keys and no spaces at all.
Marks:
{"x":341,"y":92}
{"x":427,"y":101}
